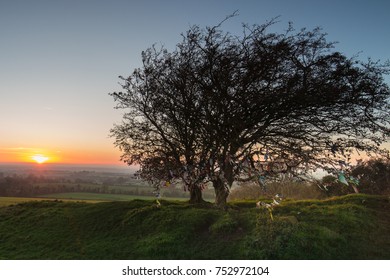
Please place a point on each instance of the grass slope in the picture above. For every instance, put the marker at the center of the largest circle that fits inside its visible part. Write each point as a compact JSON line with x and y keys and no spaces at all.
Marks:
{"x":350,"y":227}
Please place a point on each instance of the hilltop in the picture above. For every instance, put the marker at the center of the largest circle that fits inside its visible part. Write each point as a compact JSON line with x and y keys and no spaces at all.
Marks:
{"x":349,"y":227}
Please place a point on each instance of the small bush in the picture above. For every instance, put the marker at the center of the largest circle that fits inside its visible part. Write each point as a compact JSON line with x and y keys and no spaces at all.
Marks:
{"x":334,"y":187}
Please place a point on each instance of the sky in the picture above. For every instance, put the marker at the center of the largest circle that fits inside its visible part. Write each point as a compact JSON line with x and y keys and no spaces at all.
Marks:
{"x":60,"y":59}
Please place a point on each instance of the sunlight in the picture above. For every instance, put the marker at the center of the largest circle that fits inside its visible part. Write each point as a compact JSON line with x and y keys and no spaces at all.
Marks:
{"x":39,"y":158}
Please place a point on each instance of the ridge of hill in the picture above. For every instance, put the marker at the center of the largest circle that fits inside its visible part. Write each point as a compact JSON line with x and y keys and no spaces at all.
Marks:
{"x":349,"y":227}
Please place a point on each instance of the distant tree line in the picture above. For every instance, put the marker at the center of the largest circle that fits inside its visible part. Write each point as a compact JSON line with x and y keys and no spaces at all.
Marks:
{"x":373,"y":177}
{"x":32,"y":185}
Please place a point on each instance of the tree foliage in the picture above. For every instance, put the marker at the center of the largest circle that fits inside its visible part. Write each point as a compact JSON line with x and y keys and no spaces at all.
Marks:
{"x":371,"y":177}
{"x":224,"y":107}
{"x":374,"y":176}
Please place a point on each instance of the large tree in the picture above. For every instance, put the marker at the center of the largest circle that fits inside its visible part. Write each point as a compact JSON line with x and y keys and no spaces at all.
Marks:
{"x":222,"y":107}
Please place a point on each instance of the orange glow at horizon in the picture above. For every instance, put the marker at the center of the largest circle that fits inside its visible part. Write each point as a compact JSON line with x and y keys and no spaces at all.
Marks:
{"x":63,"y":156}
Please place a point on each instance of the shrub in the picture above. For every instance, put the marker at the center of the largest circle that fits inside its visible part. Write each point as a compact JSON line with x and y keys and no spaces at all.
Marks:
{"x":374,"y":176}
{"x":334,"y":188}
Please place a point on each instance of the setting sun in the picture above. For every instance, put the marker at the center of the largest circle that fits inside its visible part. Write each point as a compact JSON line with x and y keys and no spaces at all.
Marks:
{"x":39,"y":158}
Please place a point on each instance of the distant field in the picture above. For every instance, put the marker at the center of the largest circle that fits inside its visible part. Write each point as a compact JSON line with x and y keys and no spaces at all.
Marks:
{"x":95,"y":196}
{"x":103,"y":197}
{"x":87,"y":197}
{"x":84,"y":186}
{"x":6,"y":201}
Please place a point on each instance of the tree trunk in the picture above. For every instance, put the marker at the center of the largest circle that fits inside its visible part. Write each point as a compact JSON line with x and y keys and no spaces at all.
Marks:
{"x":195,"y":194}
{"x":221,"y":193}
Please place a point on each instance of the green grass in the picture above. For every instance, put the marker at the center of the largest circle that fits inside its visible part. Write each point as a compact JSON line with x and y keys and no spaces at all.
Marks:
{"x":6,"y":201}
{"x":350,"y":227}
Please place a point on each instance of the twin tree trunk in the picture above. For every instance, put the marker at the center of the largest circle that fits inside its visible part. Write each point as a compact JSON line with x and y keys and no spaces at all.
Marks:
{"x":221,"y":194}
{"x":220,"y":188}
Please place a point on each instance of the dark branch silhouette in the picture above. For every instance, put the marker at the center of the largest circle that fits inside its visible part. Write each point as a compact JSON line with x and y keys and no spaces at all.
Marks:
{"x":222,"y":108}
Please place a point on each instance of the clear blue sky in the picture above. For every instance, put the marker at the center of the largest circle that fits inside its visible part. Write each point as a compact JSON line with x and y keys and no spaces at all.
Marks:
{"x":59,"y":59}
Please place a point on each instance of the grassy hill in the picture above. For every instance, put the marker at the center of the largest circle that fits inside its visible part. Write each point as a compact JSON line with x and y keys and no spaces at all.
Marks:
{"x":350,"y":227}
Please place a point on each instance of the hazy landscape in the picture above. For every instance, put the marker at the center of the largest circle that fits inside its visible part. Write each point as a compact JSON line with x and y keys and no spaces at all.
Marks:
{"x":64,"y":212}
{"x":77,"y":182}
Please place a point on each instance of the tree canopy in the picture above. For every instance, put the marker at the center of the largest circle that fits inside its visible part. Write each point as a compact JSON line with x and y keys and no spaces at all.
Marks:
{"x":223,"y":107}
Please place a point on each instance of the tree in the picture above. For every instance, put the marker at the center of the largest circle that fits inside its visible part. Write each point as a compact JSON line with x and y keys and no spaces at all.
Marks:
{"x":331,"y":186}
{"x":371,"y":176}
{"x":374,"y":176}
{"x":222,"y":108}
{"x":161,"y":132}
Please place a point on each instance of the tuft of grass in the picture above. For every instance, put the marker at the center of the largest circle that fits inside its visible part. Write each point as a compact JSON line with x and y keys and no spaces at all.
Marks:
{"x":225,"y":224}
